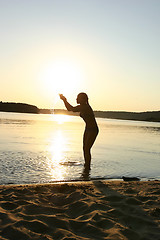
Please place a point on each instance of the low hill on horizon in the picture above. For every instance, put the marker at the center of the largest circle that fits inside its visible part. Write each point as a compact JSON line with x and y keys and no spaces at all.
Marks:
{"x":18,"y":107}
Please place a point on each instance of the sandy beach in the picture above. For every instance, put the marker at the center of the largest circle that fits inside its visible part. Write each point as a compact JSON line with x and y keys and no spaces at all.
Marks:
{"x":81,"y":210}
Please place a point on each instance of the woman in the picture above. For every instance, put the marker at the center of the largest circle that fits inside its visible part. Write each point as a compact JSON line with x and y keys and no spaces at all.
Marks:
{"x":91,"y":129}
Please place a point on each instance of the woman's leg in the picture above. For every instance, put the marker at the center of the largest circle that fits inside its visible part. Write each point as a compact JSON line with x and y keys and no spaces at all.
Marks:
{"x":88,"y":140}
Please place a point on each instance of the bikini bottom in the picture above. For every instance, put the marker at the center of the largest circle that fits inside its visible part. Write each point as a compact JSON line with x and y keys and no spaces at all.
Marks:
{"x":92,"y":129}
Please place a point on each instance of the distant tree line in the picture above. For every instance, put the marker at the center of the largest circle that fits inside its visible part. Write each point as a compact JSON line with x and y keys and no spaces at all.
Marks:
{"x":18,"y":107}
{"x":153,"y":116}
{"x":58,"y":111}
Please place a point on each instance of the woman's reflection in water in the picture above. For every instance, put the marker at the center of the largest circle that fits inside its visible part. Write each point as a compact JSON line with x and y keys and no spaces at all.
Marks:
{"x":85,"y":174}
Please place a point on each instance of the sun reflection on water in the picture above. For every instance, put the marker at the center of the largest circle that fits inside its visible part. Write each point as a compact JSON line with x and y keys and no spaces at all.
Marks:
{"x":61,"y":118}
{"x":57,"y":150}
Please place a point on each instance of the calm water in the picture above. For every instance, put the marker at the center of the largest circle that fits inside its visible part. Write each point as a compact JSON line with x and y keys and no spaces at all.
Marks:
{"x":46,"y":148}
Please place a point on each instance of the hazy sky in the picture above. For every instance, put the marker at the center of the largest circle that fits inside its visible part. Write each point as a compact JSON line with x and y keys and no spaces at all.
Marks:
{"x":108,"y":48}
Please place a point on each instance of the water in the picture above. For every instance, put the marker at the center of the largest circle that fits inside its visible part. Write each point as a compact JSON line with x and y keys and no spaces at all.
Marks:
{"x":46,"y":148}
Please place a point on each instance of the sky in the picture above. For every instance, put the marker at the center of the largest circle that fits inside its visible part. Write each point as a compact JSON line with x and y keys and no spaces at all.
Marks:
{"x":109,"y":49}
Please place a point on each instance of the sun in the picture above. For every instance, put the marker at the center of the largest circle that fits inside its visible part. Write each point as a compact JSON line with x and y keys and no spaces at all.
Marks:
{"x":62,"y":76}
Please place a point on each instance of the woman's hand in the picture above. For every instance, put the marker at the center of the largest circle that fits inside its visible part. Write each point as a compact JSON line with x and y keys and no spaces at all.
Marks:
{"x":62,"y":97}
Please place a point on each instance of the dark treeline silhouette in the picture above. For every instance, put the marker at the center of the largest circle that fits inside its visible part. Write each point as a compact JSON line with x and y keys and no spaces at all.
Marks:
{"x":151,"y":116}
{"x":58,"y":111}
{"x":18,"y":107}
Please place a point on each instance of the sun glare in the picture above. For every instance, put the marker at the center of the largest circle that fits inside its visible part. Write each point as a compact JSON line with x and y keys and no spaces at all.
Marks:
{"x":62,"y":76}
{"x":57,"y":149}
{"x":61,"y":118}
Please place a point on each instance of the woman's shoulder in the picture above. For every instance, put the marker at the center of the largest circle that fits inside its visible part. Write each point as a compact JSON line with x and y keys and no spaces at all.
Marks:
{"x":77,"y":108}
{"x":86,"y":109}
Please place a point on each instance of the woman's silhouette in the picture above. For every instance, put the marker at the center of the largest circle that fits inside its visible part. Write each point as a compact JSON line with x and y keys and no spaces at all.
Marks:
{"x":91,"y":129}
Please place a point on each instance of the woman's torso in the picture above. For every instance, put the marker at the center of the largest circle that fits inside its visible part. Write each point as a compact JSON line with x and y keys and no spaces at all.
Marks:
{"x":88,"y":116}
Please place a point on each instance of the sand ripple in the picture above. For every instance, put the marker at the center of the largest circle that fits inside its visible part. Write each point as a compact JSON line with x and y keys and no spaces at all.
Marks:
{"x":81,"y":210}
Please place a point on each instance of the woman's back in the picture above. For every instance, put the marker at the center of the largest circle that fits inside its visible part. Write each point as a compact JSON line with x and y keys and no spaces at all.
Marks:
{"x":87,"y":114}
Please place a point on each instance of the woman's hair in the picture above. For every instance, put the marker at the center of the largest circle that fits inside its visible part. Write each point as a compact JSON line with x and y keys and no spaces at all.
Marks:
{"x":83,"y":97}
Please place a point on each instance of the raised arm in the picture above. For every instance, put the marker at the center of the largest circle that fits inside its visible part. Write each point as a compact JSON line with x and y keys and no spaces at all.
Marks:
{"x":68,"y":105}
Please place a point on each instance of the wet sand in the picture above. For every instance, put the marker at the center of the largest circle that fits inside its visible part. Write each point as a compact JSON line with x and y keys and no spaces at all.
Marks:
{"x":81,"y":210}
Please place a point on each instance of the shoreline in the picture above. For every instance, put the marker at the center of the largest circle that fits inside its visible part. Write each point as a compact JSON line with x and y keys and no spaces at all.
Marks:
{"x":79,"y":182}
{"x":82,"y":210}
{"x":128,"y":179}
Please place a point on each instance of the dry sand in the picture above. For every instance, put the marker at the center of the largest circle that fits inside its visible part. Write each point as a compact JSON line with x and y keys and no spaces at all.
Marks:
{"x":81,"y":210}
